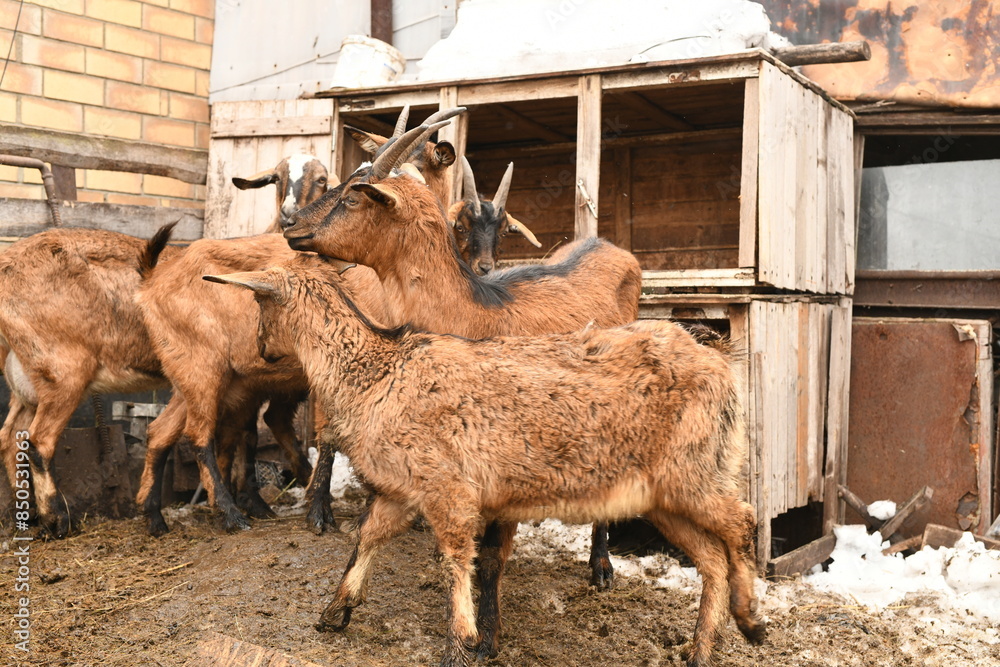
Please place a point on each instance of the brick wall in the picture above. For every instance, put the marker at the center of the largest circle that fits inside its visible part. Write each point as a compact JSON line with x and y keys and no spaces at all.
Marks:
{"x":116,"y":68}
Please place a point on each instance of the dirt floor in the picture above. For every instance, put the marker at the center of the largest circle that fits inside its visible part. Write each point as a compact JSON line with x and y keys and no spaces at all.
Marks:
{"x":111,"y":595}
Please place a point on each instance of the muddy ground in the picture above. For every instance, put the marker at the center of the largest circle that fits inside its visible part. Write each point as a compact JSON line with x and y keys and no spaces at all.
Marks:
{"x":111,"y":595}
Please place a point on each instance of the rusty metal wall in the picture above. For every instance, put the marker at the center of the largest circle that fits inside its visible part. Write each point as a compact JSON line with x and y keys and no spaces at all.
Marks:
{"x":919,"y":412}
{"x":933,"y":52}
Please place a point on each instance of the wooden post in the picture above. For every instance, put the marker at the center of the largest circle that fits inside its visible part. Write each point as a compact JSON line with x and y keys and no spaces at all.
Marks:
{"x":748,"y":175}
{"x":588,"y":155}
{"x":820,"y":54}
{"x":457,"y":133}
{"x":381,"y":15}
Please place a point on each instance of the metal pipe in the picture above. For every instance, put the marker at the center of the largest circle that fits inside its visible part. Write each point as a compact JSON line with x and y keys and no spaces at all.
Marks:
{"x":48,"y":182}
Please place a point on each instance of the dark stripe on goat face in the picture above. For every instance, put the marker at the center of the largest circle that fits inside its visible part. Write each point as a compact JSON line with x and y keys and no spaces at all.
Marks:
{"x":479,"y":236}
{"x":485,"y":293}
{"x":304,"y":223}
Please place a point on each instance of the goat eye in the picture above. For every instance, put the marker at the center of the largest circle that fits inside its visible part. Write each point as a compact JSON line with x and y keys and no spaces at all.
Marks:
{"x":321,"y":181}
{"x":460,"y":229}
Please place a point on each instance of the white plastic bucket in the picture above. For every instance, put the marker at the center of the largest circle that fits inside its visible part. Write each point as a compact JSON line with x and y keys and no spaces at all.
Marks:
{"x":366,"y":62}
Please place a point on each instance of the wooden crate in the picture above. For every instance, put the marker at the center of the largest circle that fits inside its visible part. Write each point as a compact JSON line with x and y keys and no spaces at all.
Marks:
{"x":731,"y":171}
{"x":795,"y":379}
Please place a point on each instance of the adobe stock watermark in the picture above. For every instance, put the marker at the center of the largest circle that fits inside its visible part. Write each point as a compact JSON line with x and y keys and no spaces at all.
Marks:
{"x":22,"y":544}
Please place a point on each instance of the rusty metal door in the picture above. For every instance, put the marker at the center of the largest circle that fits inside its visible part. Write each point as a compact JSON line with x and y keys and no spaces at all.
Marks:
{"x":920,"y":415}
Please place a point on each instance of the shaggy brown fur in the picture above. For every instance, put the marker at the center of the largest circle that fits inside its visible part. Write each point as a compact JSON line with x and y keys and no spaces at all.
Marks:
{"x":599,"y":424}
{"x":396,"y":228}
{"x":208,"y":346}
{"x":67,"y":327}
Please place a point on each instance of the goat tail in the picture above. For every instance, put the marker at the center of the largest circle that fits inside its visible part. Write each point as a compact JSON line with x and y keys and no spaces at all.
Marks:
{"x":154,"y":246}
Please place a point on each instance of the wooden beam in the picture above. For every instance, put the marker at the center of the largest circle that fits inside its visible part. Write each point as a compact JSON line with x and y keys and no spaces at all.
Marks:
{"x":223,"y":651}
{"x":942,"y":536}
{"x":270,"y":127}
{"x":588,"y":155}
{"x":533,"y":127}
{"x":748,"y":175}
{"x":802,"y":559}
{"x":23,"y":217}
{"x":820,"y":54}
{"x":623,"y":198}
{"x":654,"y":112}
{"x":80,"y":151}
{"x":919,"y":499}
{"x":381,"y":18}
{"x":859,"y":506}
{"x":457,"y":132}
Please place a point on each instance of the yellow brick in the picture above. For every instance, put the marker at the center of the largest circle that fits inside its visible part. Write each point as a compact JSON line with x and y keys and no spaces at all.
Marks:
{"x":110,"y":123}
{"x":166,"y":131}
{"x":205,"y":8}
{"x":201,"y":81}
{"x":201,"y":135}
{"x":126,"y":12}
{"x":51,"y":114}
{"x":51,"y":54}
{"x":114,"y":181}
{"x":166,"y":187}
{"x":9,"y":173}
{"x":158,"y":3}
{"x":71,"y":28}
{"x":204,"y":31}
{"x":167,"y":22}
{"x":132,"y":98}
{"x":73,"y":87}
{"x":132,"y":200}
{"x":186,"y":107}
{"x":171,"y":77}
{"x":32,"y":176}
{"x":5,"y":46}
{"x":114,"y":65}
{"x":17,"y":191}
{"x":88,"y":196}
{"x":183,"y":52}
{"x":30,"y":22}
{"x":8,"y":108}
{"x":70,"y":6}
{"x":134,"y":42}
{"x":25,"y":79}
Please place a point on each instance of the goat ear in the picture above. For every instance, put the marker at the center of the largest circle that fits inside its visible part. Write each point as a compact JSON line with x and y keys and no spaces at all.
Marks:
{"x":444,"y":154}
{"x":256,"y":181}
{"x":454,"y":211}
{"x":409,"y":168}
{"x":259,"y":282}
{"x":370,"y":143}
{"x":377,"y":193}
{"x":516,"y":225}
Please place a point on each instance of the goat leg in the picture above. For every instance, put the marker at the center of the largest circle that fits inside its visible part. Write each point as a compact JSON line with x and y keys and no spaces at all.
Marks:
{"x":494,"y":549}
{"x":383,"y":520}
{"x":320,"y":514}
{"x":245,"y":472}
{"x":232,"y":518}
{"x":601,"y":571}
{"x":279,"y":417}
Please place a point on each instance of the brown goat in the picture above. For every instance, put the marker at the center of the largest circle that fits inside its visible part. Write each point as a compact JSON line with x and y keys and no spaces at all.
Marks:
{"x":394,"y":225}
{"x":299,"y":179}
{"x":432,"y":159}
{"x":68,"y":327}
{"x":209,"y":351}
{"x":595,"y":425}
{"x":480,"y":224}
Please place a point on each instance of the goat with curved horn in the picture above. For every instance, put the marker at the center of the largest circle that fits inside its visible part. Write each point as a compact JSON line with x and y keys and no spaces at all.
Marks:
{"x":404,"y":118}
{"x":469,"y":192}
{"x":500,"y":198}
{"x":396,"y":150}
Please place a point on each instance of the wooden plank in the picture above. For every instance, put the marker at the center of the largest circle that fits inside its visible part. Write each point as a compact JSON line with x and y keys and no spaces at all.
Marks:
{"x":518,"y":91}
{"x":739,"y":335}
{"x":748,"y":175}
{"x":679,"y":74}
{"x":936,"y":536}
{"x":622,"y":175}
{"x":270,"y":127}
{"x":852,"y":183}
{"x":23,"y":217}
{"x":818,"y":54}
{"x":699,"y":278}
{"x":654,"y":112}
{"x":223,"y":651}
{"x":366,"y":101}
{"x":919,"y":499}
{"x":859,"y":506}
{"x":837,"y":164}
{"x":801,"y":560}
{"x":819,"y":347}
{"x":588,"y":156}
{"x":529,"y":127}
{"x":835,"y":467}
{"x":760,"y":451}
{"x":809,"y":273}
{"x":984,"y":385}
{"x":458,"y":134}
{"x":819,"y":233}
{"x":81,"y":151}
{"x":803,"y":373}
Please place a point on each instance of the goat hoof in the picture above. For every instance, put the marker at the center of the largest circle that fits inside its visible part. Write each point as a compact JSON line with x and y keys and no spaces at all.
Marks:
{"x":235,"y":521}
{"x":602,"y":575}
{"x":56,"y":525}
{"x":257,"y":508}
{"x":486,"y":651}
{"x":456,"y":655}
{"x":156,"y":526}
{"x":334,"y":619}
{"x":755,"y":632}
{"x":320,"y":516}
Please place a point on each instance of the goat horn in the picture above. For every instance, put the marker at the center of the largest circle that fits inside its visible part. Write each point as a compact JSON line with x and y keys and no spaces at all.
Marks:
{"x":516,"y":225}
{"x":469,"y":192}
{"x":404,"y":117}
{"x":396,"y":150}
{"x":251,"y":280}
{"x":443,"y":114}
{"x":500,"y":198}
